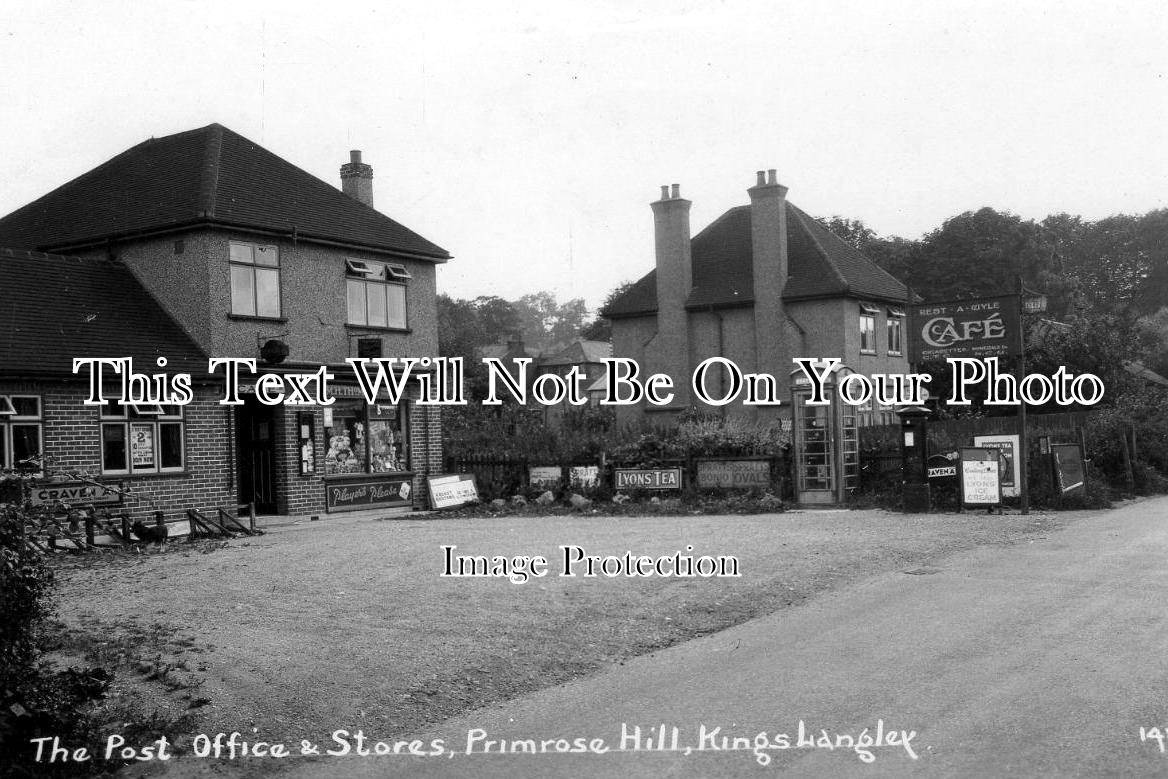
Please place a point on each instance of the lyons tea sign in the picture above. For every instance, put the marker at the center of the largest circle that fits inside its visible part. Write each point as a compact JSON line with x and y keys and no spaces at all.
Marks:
{"x":978,"y":328}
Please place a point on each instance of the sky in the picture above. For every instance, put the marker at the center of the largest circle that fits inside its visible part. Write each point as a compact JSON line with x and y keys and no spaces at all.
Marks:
{"x":528,"y":139}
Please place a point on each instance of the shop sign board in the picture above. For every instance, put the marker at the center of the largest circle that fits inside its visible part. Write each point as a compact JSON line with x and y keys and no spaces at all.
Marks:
{"x":367,"y":493}
{"x":547,"y":476}
{"x":1010,"y":462}
{"x":77,"y":493}
{"x":647,"y":478}
{"x":942,"y":466}
{"x":452,"y":490}
{"x":734,"y":474}
{"x":981,"y":477}
{"x":979,"y":328}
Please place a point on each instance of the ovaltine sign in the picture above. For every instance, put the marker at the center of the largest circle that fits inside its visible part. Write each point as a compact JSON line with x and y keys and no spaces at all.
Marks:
{"x":979,"y":328}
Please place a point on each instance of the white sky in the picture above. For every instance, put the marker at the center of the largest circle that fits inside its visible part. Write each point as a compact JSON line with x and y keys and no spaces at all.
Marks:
{"x":528,"y":141}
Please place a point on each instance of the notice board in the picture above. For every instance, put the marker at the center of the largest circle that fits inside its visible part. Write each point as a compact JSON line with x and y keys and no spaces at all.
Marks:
{"x":981,"y":477}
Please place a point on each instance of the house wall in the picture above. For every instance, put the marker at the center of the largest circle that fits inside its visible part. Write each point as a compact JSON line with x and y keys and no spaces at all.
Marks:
{"x":71,"y":440}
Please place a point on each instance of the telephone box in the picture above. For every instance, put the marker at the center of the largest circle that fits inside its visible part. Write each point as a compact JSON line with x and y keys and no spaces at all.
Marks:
{"x":825,"y":442}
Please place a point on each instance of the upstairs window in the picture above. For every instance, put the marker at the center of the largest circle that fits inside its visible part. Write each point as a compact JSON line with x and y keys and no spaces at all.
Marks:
{"x":377,"y":293}
{"x":141,"y":438}
{"x":868,"y":328}
{"x":255,"y":280}
{"x":895,"y":330}
{"x":20,"y":430}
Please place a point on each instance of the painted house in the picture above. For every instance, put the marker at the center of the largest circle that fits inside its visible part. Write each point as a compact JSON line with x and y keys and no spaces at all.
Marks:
{"x":762,"y":285}
{"x":247,"y":256}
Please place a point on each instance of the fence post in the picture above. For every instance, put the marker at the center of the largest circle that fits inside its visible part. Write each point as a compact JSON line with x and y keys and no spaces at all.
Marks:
{"x":89,"y":522}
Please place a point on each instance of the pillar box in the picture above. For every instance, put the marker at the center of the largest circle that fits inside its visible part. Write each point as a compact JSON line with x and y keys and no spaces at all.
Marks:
{"x":914,"y":453}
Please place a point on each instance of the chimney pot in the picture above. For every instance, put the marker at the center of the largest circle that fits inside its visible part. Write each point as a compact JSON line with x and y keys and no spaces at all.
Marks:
{"x":771,"y":179}
{"x":676,"y":191}
{"x":664,"y":191}
{"x":760,"y":178}
{"x":355,"y":155}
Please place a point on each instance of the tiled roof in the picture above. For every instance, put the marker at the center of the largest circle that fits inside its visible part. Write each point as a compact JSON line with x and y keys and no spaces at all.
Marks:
{"x":579,"y":352}
{"x":205,"y":177}
{"x":820,"y":264}
{"x":54,"y":308}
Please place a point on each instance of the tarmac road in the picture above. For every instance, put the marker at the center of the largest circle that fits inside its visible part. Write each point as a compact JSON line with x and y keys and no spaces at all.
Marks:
{"x":1043,"y":658}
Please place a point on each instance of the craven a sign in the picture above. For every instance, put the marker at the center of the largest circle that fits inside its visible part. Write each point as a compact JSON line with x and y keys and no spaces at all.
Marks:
{"x":78,"y":493}
{"x":647,"y":478}
{"x":978,"y":328}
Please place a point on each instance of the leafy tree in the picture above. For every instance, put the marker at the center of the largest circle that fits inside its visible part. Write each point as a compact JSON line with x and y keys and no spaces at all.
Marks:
{"x":600,"y":328}
{"x":545,"y":322}
{"x":854,"y":231}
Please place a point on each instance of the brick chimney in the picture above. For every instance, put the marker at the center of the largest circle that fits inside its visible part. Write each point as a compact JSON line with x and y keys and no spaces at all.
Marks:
{"x":670,"y":347}
{"x":768,"y":234}
{"x":357,"y":179}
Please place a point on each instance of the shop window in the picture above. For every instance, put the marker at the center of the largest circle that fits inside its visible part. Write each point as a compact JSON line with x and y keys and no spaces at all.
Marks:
{"x":141,"y":438}
{"x":255,"y":280}
{"x":868,"y":328}
{"x":366,"y":438}
{"x":20,"y":432}
{"x":895,"y":330}
{"x":376,"y":293}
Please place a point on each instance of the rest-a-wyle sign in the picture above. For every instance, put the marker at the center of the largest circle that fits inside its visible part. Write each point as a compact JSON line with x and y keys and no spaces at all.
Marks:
{"x":647,"y":478}
{"x":365,"y":494}
{"x":978,"y":328}
{"x":734,"y":474}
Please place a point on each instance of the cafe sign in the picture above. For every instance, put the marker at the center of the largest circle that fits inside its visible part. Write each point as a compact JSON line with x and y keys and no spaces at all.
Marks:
{"x":979,"y":328}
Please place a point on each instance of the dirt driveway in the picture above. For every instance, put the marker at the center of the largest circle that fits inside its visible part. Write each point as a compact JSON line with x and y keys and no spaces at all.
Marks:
{"x":346,"y":623}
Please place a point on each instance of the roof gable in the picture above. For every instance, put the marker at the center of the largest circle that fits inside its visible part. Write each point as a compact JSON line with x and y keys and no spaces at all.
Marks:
{"x":55,"y":308}
{"x":820,"y":264}
{"x":205,"y":177}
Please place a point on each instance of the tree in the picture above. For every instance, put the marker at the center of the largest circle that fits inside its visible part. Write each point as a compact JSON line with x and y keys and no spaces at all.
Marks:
{"x":545,"y":322}
{"x":600,"y":328}
{"x":854,"y":231}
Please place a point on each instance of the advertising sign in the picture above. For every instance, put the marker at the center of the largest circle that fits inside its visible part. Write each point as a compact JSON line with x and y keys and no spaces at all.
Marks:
{"x":452,"y":491}
{"x":734,"y":474}
{"x":647,"y":478}
{"x":69,"y":492}
{"x":544,"y":476}
{"x":980,"y":328}
{"x":942,"y":466}
{"x":365,"y":494}
{"x":1011,"y":463}
{"x":1068,"y":468}
{"x":981,"y":483}
{"x":584,"y":475}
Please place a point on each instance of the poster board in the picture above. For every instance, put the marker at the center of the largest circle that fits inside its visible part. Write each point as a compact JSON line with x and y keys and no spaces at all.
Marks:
{"x":981,"y":477}
{"x":1068,"y":469}
{"x":452,"y":490}
{"x":647,"y":478}
{"x":1011,"y":463}
{"x":546,"y":476}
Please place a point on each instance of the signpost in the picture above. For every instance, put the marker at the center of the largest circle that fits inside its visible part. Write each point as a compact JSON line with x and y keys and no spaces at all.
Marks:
{"x":981,"y":477}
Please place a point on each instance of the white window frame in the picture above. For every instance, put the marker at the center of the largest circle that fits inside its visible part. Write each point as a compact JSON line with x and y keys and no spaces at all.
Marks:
{"x":10,"y":418}
{"x":895,"y":325}
{"x":142,"y":418}
{"x":868,"y":328}
{"x":383,"y":278}
{"x":243,"y":257}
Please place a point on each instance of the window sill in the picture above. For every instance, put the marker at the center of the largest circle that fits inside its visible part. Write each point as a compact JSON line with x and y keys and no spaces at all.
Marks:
{"x":250,"y":318}
{"x":896,"y":354}
{"x":156,"y":475}
{"x":377,"y":475}
{"x":868,"y":351}
{"x":377,"y":329}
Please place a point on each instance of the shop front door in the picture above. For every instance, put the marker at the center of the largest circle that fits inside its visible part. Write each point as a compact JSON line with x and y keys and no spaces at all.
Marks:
{"x":255,"y":442}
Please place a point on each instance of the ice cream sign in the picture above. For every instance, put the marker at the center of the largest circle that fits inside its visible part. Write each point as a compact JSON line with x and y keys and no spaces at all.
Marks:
{"x":983,"y":327}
